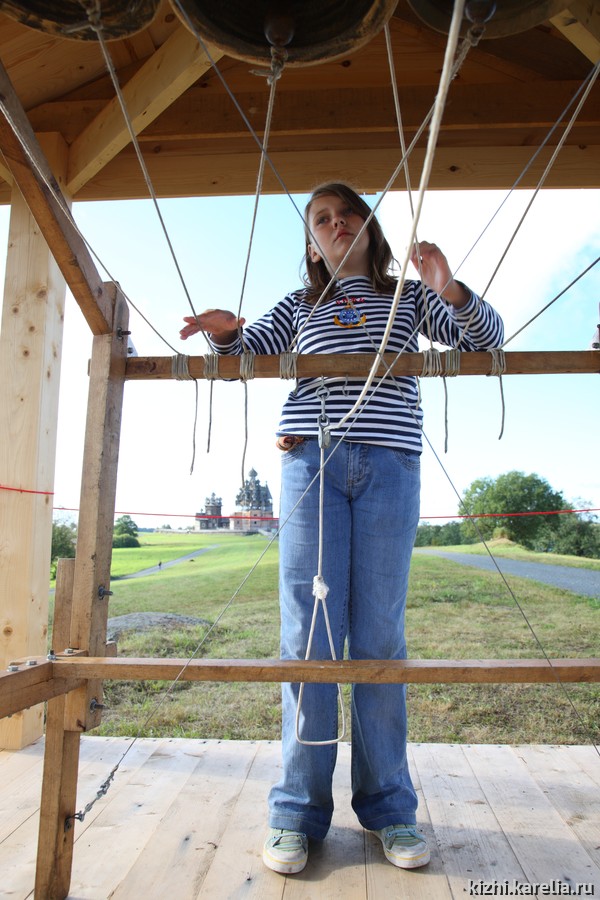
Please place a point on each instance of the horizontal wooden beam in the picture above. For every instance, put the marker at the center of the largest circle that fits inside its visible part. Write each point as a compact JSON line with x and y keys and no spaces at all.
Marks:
{"x":544,"y":362}
{"x":47,"y":679}
{"x":370,"y":671}
{"x":32,"y":684}
{"x":183,"y":169}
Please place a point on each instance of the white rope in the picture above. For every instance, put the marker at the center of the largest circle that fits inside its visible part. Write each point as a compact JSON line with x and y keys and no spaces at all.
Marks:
{"x":180,"y":367}
{"x":247,"y":365}
{"x":432,"y":363}
{"x":288,"y":365}
{"x":447,"y":74}
{"x":320,"y":591}
{"x":211,"y":366}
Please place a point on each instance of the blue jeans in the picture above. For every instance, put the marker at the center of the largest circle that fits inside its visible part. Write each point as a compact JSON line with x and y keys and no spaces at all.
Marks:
{"x":371,"y":511}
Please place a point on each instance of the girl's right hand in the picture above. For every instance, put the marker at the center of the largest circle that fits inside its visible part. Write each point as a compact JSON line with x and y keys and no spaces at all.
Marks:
{"x":221,"y":324}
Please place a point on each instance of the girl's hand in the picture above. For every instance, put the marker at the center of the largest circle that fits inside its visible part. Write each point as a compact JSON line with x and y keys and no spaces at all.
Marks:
{"x":221,"y":324}
{"x":437,"y":274}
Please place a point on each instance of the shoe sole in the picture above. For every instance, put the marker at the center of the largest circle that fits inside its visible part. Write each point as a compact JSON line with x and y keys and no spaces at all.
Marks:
{"x":283,"y":868}
{"x":409,"y":862}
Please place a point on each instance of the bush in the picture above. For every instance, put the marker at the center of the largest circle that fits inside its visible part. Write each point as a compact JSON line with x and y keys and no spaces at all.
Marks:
{"x":125,"y":540}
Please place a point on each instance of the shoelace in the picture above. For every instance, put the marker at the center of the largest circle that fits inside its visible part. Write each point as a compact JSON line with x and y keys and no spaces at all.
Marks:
{"x":290,"y":840}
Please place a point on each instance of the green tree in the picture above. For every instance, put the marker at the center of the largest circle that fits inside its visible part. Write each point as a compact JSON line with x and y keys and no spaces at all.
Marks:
{"x":515,"y":494}
{"x":64,"y":537}
{"x":125,"y":533}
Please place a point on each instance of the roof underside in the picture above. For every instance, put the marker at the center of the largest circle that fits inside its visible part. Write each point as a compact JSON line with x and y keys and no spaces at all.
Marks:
{"x":331,"y":120}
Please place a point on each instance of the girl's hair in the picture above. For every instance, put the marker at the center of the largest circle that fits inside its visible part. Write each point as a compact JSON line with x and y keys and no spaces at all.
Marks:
{"x":317,"y":275}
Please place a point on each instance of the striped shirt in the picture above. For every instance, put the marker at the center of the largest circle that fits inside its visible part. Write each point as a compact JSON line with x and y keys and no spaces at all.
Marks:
{"x":390,"y":413}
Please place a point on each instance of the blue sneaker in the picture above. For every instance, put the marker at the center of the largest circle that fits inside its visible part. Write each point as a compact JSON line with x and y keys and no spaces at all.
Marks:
{"x":404,"y":846}
{"x":285,"y":851}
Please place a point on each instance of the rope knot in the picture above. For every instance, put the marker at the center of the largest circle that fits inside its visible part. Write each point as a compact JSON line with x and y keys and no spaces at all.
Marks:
{"x":320,"y":588}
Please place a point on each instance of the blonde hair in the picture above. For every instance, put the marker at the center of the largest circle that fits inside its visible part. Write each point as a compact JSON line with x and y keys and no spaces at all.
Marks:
{"x":381,"y":258}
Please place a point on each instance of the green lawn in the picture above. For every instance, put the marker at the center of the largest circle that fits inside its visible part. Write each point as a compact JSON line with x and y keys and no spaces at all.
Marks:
{"x":509,"y":550}
{"x":452,"y":613}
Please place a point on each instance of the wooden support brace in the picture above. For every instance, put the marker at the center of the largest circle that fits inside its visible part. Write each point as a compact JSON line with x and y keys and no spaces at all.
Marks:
{"x":33,"y":175}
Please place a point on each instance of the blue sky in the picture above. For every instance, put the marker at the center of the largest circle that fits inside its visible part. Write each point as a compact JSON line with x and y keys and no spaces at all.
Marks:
{"x":551,"y":422}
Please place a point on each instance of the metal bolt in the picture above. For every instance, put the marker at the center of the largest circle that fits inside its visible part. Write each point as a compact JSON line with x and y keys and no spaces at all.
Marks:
{"x":31,"y":662}
{"x":13,"y":667}
{"x":94,"y":705}
{"x":69,"y":651}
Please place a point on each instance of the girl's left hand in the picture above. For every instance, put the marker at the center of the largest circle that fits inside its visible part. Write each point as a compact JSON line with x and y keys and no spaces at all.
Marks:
{"x":437,"y":274}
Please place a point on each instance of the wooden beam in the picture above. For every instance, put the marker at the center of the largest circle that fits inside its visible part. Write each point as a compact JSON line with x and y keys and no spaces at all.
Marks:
{"x":61,"y":765}
{"x":544,"y":362}
{"x":32,"y":174}
{"x":185,"y":170}
{"x":97,"y":506}
{"x":170,"y":71}
{"x":29,"y":686}
{"x":580,"y":24}
{"x":370,"y":671}
{"x":30,"y":359}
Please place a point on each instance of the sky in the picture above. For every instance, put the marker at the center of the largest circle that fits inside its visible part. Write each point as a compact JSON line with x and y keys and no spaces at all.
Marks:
{"x":551,"y":422}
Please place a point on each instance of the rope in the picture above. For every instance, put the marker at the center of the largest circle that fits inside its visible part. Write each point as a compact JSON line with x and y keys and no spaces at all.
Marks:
{"x":320,"y":591}
{"x":247,"y":366}
{"x":180,"y":367}
{"x":499,"y":368}
{"x":288,"y":365}
{"x":447,"y":74}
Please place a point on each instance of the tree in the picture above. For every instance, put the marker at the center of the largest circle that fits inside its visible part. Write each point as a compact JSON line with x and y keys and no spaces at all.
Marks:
{"x":513,"y":493}
{"x":125,"y":533}
{"x":64,"y":537}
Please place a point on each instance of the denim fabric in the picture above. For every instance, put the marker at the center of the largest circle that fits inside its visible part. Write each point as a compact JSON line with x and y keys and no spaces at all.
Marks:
{"x":371,"y":511}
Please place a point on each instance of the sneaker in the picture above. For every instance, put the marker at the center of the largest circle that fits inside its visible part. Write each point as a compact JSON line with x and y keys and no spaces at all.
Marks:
{"x":285,"y":851}
{"x":404,"y":846}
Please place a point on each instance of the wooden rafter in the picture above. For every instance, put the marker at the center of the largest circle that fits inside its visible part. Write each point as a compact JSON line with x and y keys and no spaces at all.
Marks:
{"x":580,"y":24}
{"x":169,"y":72}
{"x":34,"y":177}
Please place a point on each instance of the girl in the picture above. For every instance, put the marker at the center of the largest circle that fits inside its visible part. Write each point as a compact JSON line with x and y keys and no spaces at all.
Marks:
{"x":370,"y":515}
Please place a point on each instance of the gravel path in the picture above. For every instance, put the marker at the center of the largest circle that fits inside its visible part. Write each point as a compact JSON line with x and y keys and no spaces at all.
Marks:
{"x":569,"y":578}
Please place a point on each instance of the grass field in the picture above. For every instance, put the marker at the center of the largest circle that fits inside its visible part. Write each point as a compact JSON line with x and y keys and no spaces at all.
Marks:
{"x":452,"y":613}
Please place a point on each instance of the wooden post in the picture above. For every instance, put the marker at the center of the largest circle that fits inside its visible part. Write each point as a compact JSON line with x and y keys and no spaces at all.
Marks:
{"x":97,"y":508}
{"x":81,"y":611}
{"x":61,"y":763}
{"x":30,"y":356}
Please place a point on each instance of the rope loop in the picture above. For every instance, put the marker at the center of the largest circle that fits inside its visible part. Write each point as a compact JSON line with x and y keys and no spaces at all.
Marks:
{"x":452,"y":363}
{"x":288,"y":365}
{"x":211,"y":366}
{"x":247,"y":366}
{"x":432,"y":363}
{"x":180,"y":368}
{"x":498,"y":362}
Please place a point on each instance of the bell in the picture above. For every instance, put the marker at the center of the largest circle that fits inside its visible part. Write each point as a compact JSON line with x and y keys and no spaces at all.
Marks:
{"x":499,"y":18}
{"x":310,"y":31}
{"x":69,"y":18}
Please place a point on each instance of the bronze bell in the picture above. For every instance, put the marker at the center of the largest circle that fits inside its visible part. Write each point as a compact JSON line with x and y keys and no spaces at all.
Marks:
{"x":69,"y":19}
{"x":310,"y":31}
{"x":499,"y":18}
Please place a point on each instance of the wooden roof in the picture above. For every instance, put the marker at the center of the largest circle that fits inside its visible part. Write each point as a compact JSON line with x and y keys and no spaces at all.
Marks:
{"x":332,"y":120}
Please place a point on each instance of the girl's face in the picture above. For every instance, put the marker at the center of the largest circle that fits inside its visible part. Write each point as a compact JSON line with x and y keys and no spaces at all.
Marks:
{"x":334,"y":226}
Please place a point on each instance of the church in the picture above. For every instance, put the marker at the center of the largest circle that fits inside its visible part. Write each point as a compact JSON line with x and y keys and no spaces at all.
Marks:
{"x":253,"y":513}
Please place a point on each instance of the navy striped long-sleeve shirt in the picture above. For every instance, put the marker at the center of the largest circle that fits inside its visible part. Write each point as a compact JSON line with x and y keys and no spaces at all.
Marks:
{"x":390,"y":413}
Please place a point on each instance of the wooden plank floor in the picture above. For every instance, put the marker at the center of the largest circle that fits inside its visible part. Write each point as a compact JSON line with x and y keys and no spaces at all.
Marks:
{"x":186,"y":819}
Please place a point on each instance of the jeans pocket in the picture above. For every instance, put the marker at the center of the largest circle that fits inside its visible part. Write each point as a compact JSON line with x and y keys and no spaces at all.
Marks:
{"x":410,"y":460}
